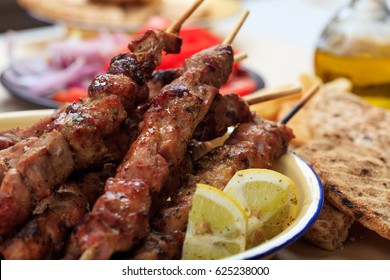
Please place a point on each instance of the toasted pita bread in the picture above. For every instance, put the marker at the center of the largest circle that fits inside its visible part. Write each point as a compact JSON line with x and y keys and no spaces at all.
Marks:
{"x":349,"y":147}
{"x":357,"y":185}
{"x":356,"y":181}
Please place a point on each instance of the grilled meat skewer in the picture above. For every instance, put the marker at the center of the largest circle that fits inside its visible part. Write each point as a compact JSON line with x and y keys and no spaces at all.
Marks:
{"x":79,"y":131}
{"x":251,"y":145}
{"x":119,"y":218}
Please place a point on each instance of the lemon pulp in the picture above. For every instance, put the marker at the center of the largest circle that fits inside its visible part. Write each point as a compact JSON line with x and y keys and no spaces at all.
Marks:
{"x":216,"y":227}
{"x":269,"y":199}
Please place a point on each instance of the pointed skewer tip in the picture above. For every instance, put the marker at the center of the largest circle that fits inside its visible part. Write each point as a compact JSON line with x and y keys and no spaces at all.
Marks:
{"x":240,"y":57}
{"x":228,"y":40}
{"x":176,"y":25}
{"x":306,"y":97}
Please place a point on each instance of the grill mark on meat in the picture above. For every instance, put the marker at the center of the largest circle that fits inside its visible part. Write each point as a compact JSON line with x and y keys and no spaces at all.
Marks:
{"x":225,"y":111}
{"x":159,"y":246}
{"x":160,"y":78}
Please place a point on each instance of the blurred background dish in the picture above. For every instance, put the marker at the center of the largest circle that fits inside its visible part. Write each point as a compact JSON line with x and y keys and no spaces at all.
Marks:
{"x":124,"y":15}
{"x":48,"y":73}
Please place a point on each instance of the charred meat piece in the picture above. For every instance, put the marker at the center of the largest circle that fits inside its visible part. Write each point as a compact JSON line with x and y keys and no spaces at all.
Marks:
{"x":9,"y":138}
{"x":85,"y":126}
{"x":161,"y":78}
{"x":226,"y":110}
{"x":159,"y":246}
{"x":10,"y":156}
{"x":118,"y":218}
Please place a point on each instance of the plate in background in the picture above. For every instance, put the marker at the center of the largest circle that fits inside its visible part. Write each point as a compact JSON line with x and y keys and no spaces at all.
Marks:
{"x":46,"y":101}
{"x":89,"y":15}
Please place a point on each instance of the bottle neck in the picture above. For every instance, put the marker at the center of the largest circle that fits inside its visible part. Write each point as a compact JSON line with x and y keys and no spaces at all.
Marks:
{"x":370,"y":8}
{"x":381,"y":2}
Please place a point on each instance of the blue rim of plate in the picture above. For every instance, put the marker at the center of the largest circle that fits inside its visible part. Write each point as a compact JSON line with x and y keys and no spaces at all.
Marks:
{"x":47,"y":102}
{"x":251,"y":253}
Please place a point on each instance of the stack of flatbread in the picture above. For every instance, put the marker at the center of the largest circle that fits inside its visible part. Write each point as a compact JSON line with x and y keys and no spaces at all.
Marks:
{"x":347,"y":142}
{"x":123,"y":15}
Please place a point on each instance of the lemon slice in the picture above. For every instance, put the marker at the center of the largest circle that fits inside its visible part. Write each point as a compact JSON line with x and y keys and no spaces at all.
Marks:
{"x":268,"y":197}
{"x":216,"y":227}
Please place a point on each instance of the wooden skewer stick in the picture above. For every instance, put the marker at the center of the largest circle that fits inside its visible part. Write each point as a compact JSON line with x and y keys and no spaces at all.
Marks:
{"x":270,"y":94}
{"x":175,"y":26}
{"x":306,"y":97}
{"x":88,"y":254}
{"x":240,"y":57}
{"x":232,"y":35}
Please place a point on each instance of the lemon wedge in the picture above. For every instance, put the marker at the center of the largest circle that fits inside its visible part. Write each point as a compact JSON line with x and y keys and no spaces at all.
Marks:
{"x":269,"y":199}
{"x":217,"y":226}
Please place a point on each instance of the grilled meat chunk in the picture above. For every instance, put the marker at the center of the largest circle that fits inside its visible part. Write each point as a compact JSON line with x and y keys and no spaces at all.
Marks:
{"x":159,"y":246}
{"x":10,"y":156}
{"x":226,"y":110}
{"x":119,"y":218}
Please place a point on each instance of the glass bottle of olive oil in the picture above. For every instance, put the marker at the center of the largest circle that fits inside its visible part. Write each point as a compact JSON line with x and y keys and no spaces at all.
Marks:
{"x":356,"y":45}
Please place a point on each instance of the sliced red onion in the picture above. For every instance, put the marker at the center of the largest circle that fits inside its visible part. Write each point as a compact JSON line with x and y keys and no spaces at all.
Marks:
{"x":70,"y":62}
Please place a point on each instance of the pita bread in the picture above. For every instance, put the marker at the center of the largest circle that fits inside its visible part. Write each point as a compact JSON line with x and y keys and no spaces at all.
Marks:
{"x":357,"y":185}
{"x":349,"y":147}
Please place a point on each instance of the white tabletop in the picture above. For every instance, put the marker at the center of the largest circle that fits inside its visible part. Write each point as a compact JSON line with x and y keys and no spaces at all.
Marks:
{"x":279,"y":37}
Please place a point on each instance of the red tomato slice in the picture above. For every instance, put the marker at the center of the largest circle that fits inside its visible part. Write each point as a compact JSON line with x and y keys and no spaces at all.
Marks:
{"x":69,"y":95}
{"x":239,"y":85}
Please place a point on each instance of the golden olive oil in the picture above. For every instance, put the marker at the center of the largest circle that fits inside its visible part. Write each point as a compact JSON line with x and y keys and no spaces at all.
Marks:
{"x":369,"y":74}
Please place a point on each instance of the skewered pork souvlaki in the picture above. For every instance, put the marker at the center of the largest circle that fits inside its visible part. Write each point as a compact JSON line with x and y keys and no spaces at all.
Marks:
{"x":252,"y":145}
{"x":75,"y":139}
{"x":120,"y":217}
